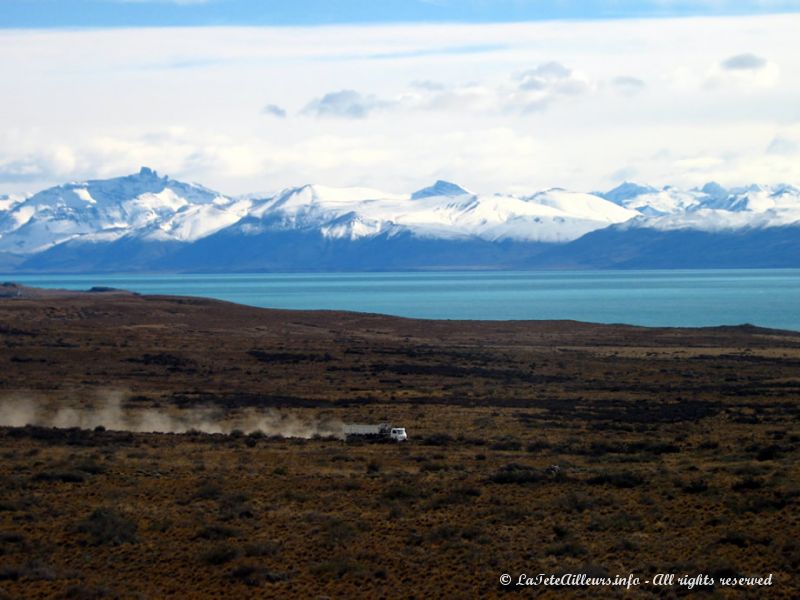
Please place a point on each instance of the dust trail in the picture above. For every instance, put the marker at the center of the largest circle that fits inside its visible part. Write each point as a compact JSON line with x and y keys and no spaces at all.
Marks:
{"x":109,"y":412}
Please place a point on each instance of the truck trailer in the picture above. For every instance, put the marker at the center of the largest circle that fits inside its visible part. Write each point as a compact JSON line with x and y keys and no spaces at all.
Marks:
{"x":382,"y":432}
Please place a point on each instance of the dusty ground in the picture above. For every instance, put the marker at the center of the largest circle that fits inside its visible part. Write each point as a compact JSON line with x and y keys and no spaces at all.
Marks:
{"x":676,"y":449}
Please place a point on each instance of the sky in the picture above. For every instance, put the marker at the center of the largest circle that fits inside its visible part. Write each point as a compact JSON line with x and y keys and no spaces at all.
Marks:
{"x":509,"y":96}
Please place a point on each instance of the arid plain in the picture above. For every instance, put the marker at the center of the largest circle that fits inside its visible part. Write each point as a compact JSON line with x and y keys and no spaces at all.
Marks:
{"x":534,"y":447}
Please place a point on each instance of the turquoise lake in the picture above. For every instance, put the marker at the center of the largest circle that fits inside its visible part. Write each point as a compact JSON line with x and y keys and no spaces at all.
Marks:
{"x":770,"y":298}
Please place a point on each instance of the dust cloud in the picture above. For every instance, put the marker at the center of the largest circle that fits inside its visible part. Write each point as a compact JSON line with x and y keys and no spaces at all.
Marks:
{"x":109,"y":412}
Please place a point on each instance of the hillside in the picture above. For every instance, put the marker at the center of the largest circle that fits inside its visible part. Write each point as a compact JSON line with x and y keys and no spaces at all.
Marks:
{"x":535,"y":447}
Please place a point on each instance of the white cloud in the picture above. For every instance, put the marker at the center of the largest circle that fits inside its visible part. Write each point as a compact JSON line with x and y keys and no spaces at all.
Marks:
{"x":744,"y":62}
{"x":745,"y":71}
{"x":531,"y":90}
{"x":628,"y":85}
{"x":785,"y":142}
{"x":274,"y":110}
{"x":783,"y":146}
{"x":347,"y":104}
{"x":544,"y":107}
{"x":544,"y":84}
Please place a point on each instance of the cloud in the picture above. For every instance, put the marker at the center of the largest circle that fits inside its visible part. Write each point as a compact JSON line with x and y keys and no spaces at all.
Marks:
{"x":540,"y":86}
{"x":745,"y":71}
{"x":46,"y":162}
{"x":532,"y":90}
{"x":573,"y":139}
{"x":744,"y":62}
{"x":21,"y":170}
{"x":428,"y":85}
{"x":346,"y":104}
{"x":552,"y":77}
{"x":274,"y":110}
{"x":425,"y":52}
{"x":627,"y":85}
{"x":783,"y":146}
{"x":464,"y":97}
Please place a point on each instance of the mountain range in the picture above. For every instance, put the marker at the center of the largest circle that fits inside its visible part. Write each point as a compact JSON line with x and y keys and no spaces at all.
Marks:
{"x":146,"y":222}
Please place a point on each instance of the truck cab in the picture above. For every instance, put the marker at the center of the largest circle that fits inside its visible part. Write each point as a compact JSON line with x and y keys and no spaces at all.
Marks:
{"x":398,"y":434}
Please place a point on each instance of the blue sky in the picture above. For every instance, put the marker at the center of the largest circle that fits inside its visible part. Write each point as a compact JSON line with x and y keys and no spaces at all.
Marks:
{"x":115,"y":13}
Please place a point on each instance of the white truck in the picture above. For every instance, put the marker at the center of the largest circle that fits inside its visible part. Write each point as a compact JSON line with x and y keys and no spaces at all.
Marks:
{"x":375,"y":433}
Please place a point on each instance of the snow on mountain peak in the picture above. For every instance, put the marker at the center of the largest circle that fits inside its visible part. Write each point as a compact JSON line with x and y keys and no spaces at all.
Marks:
{"x":440,"y":188}
{"x":714,"y":190}
{"x":150,"y":207}
{"x":626,"y":191}
{"x":102,"y":207}
{"x":587,"y":206}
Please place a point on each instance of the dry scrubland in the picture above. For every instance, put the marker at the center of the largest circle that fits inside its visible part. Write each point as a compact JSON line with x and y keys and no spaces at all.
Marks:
{"x":676,"y":449}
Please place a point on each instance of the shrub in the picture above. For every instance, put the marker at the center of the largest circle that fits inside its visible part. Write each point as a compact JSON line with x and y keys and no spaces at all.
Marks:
{"x":460,"y":495}
{"x":433,"y":467}
{"x":235,"y":506}
{"x":91,"y":467}
{"x":621,"y":479}
{"x":81,"y":592}
{"x":338,"y":567}
{"x":217,"y":532}
{"x":537,"y":446}
{"x":747,"y":483}
{"x":444,"y":533}
{"x":695,"y":486}
{"x":256,"y":576}
{"x":264,"y":548}
{"x":208,"y":491}
{"x":437,"y":439}
{"x":346,"y":485}
{"x":107,"y":526}
{"x":336,"y":531}
{"x":575,"y":502}
{"x":734,"y":538}
{"x":625,"y":545}
{"x":769,"y":453}
{"x":567,"y":548}
{"x":219,"y":555}
{"x":518,"y":474}
{"x":561,"y":532}
{"x":342,"y":458}
{"x":62,"y":476}
{"x":402,"y":492}
{"x":506,"y":445}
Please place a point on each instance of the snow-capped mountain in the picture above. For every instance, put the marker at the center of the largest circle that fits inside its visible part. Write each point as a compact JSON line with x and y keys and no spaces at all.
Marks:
{"x":105,"y":210}
{"x":158,"y":208}
{"x":442,"y":211}
{"x":144,"y":221}
{"x":711,"y":207}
